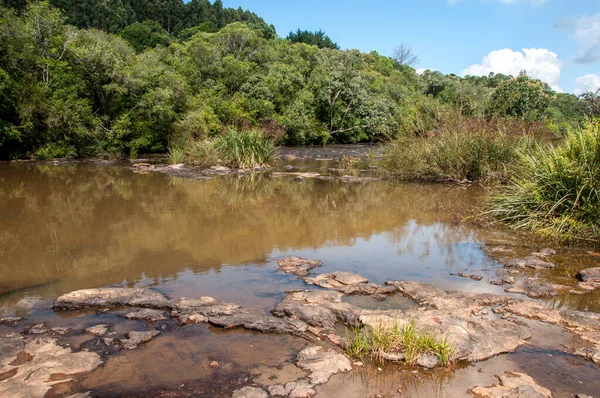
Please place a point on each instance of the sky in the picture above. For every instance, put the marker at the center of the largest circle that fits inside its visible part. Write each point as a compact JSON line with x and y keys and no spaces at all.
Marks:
{"x":557,"y":41}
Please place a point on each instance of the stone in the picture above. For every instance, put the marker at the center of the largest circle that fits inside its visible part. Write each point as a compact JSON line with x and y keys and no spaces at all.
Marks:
{"x":392,"y":357}
{"x":322,"y":363}
{"x":147,"y":314}
{"x":313,"y":315}
{"x":513,"y":384}
{"x":300,"y":389}
{"x":33,"y":378}
{"x":536,"y":288}
{"x":469,"y":276}
{"x":590,"y":278}
{"x":497,"y":249}
{"x":298,"y":266}
{"x":205,"y":306}
{"x":98,"y":330}
{"x":532,"y":262}
{"x":428,"y":361}
{"x":197,"y":318}
{"x":135,"y":338}
{"x":261,"y":323}
{"x":214,"y":364}
{"x":249,"y":392}
{"x":11,"y":321}
{"x":113,"y":297}
{"x":546,"y":252}
{"x":277,"y":391}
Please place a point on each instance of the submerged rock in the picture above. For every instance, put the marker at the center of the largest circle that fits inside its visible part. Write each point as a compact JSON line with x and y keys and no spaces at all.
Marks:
{"x":532,"y":262}
{"x":11,"y":321}
{"x":206,"y":306}
{"x":147,"y":314}
{"x":428,"y":361}
{"x":546,"y":252}
{"x":134,"y":339}
{"x":493,"y":249}
{"x":111,"y":297}
{"x":298,"y":266}
{"x":468,"y":276}
{"x":33,"y":378}
{"x":322,"y":363}
{"x":513,"y":384}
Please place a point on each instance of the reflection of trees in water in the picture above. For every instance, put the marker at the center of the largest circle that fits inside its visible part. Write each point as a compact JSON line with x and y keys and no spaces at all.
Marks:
{"x":81,"y":221}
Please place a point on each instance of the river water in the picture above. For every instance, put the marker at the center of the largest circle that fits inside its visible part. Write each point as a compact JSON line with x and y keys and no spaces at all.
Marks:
{"x":73,"y":226}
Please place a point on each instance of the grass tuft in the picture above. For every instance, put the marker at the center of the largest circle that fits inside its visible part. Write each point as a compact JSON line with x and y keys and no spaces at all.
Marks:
{"x":176,"y":155}
{"x":246,"y":149}
{"x":556,"y":189}
{"x":401,"y":338}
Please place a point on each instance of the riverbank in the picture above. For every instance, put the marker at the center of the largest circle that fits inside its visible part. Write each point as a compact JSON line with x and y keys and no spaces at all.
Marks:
{"x":386,"y":252}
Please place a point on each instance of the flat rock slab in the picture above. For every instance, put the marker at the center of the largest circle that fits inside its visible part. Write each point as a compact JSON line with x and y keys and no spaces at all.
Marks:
{"x":513,"y":384}
{"x":314,"y":296}
{"x":147,"y":314}
{"x":468,"y":276}
{"x":134,"y":339}
{"x":260,"y":323}
{"x":322,"y":363}
{"x":206,"y":306}
{"x":536,"y":288}
{"x":98,"y":330}
{"x":545,"y":252}
{"x":335,"y":279}
{"x":33,"y":378}
{"x":298,"y":266}
{"x":249,"y":392}
{"x":111,"y":297}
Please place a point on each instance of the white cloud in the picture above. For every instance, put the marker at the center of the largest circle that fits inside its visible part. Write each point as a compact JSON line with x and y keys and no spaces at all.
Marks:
{"x":539,"y":63}
{"x":420,"y":71}
{"x":587,"y":32}
{"x":587,"y":83}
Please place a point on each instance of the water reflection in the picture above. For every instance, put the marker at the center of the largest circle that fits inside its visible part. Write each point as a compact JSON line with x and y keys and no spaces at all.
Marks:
{"x":75,"y":226}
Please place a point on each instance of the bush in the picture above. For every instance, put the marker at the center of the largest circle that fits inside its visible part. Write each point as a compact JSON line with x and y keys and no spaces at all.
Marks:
{"x":203,"y":152}
{"x":556,"y":190}
{"x":451,"y":157}
{"x":245,"y":149}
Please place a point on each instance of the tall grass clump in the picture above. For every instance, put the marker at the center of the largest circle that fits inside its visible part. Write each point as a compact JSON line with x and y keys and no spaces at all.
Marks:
{"x":245,"y":149}
{"x":556,"y":189}
{"x":402,"y":339}
{"x":176,"y":155}
{"x":202,"y":152}
{"x":450,"y":156}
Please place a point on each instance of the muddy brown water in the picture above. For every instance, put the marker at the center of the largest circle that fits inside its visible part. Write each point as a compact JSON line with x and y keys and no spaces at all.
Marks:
{"x":68,"y":227}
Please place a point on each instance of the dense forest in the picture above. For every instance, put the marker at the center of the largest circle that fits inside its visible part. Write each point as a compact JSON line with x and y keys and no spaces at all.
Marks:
{"x":119,"y":78}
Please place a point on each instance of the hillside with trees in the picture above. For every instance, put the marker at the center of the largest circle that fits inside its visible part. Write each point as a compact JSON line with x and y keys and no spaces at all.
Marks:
{"x":115,"y":78}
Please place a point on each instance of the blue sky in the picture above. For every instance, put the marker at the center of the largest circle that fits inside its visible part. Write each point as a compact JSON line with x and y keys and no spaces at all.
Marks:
{"x":454,"y":36}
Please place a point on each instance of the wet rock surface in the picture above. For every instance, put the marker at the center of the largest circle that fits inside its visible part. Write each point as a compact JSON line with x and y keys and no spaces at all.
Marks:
{"x":135,"y":338}
{"x":589,"y":278}
{"x":298,"y":266}
{"x":98,"y":330}
{"x":147,"y":314}
{"x":531,"y":262}
{"x":322,"y":363}
{"x":249,"y":392}
{"x":45,"y":359}
{"x":513,"y":384}
{"x":11,"y":321}
{"x":536,"y":288}
{"x":349,"y":283}
{"x":112,"y":297}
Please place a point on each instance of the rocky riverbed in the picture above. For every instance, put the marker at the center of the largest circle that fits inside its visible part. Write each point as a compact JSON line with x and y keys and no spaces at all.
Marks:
{"x":40,"y":360}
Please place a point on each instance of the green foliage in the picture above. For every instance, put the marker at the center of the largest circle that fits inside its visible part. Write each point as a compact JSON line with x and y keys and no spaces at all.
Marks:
{"x":246,"y":149}
{"x":463,"y":150}
{"x":147,"y":34}
{"x":203,"y":152}
{"x":317,"y":38}
{"x":402,"y":338}
{"x":556,"y":190}
{"x":142,"y":76}
{"x":521,"y":97}
{"x":176,"y":155}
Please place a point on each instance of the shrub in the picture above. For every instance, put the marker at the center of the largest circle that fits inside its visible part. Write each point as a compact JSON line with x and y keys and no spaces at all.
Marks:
{"x":450,"y":157}
{"x":203,"y":152}
{"x":556,"y":189}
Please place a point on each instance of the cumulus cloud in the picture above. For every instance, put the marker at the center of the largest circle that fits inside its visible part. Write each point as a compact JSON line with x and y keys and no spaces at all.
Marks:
{"x":587,"y":32}
{"x":587,"y":83}
{"x":539,"y":63}
{"x":420,"y":71}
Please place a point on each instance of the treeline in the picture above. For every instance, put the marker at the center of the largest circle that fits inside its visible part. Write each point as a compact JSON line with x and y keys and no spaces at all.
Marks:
{"x":119,"y":78}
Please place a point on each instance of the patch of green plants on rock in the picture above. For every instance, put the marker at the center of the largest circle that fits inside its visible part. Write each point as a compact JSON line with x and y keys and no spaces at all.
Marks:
{"x":403,"y":339}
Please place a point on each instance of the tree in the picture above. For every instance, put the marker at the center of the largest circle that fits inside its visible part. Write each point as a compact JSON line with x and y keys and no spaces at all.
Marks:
{"x":521,"y":97}
{"x":317,"y":38}
{"x":591,"y":103}
{"x":147,"y":34}
{"x":404,"y":55}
